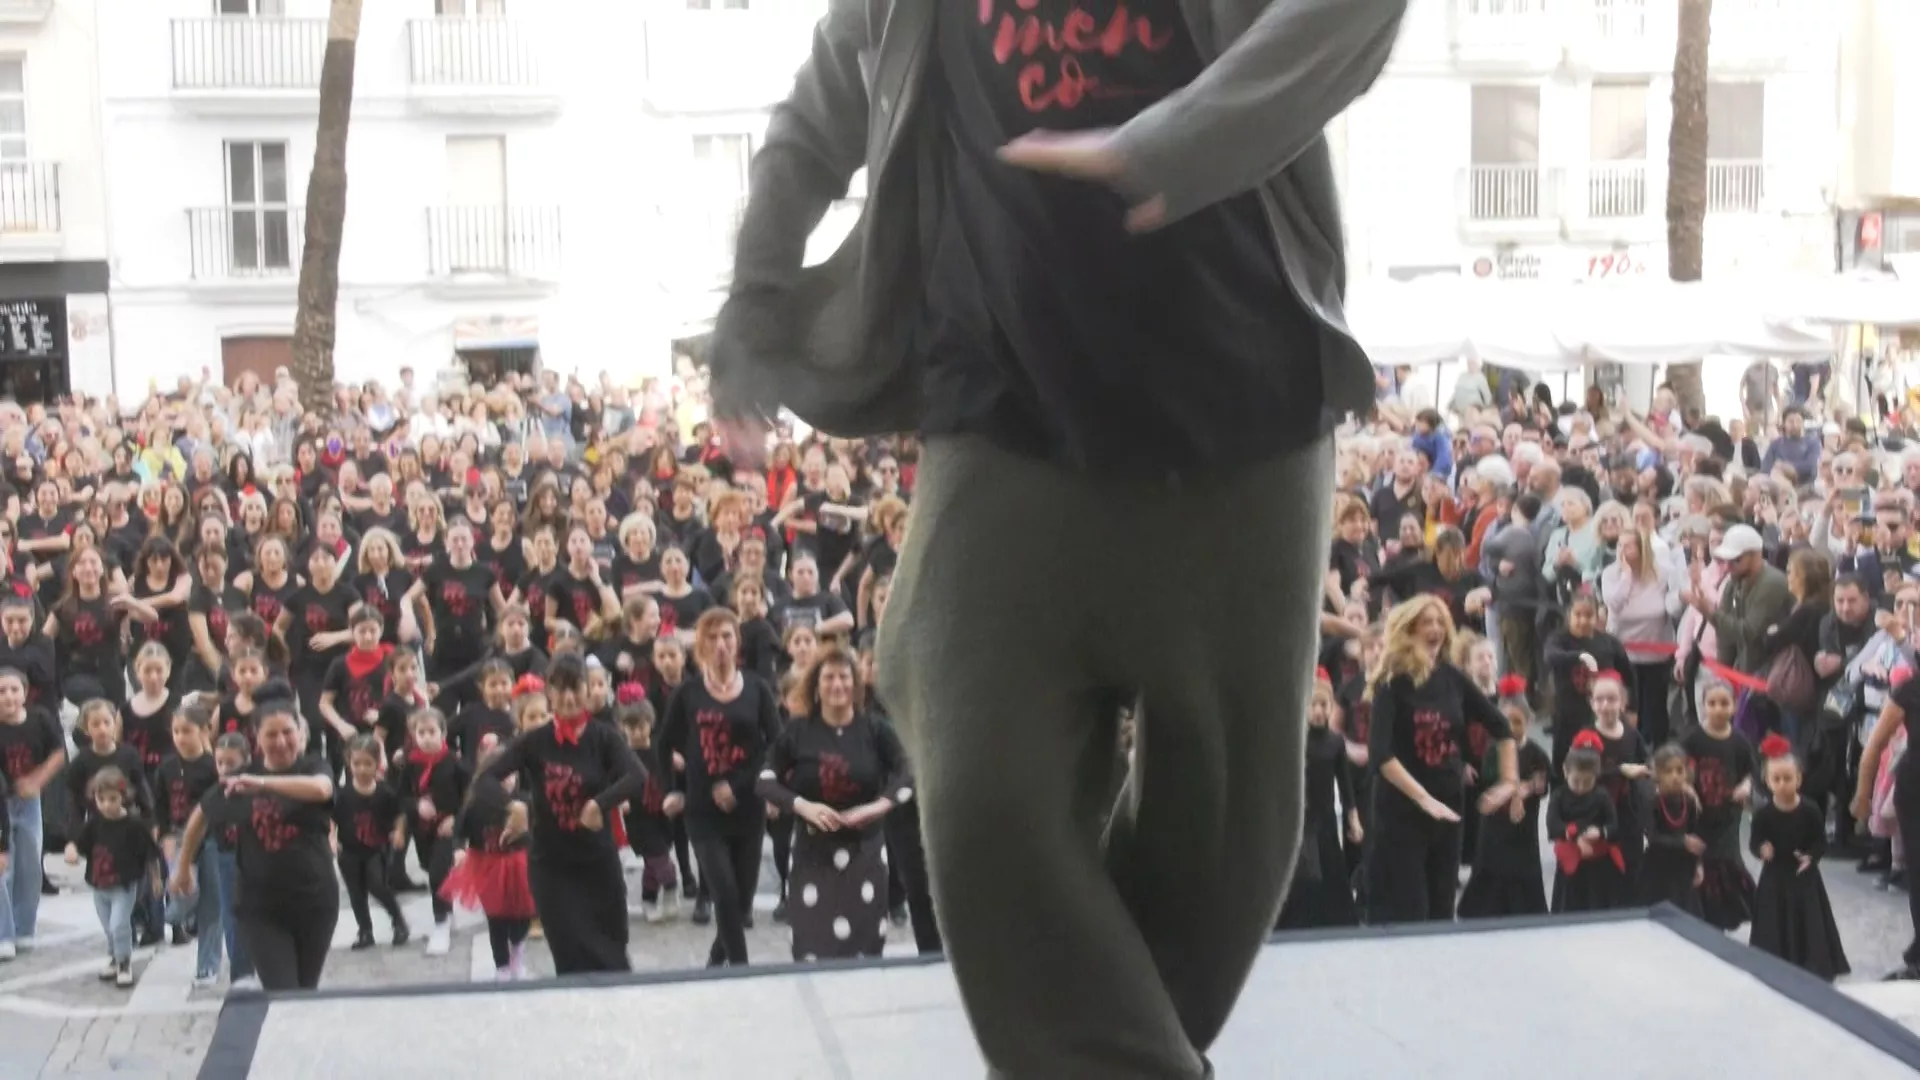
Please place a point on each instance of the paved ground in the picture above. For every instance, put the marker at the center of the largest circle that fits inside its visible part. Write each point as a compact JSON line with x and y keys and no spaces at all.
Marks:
{"x":58,"y":1020}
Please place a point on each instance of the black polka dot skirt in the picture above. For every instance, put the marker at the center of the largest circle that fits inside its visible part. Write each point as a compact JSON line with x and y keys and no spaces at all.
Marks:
{"x":837,"y":894}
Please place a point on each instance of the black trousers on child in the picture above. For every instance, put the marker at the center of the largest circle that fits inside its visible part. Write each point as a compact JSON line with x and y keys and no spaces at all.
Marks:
{"x":780,"y":831}
{"x":583,"y":911}
{"x":289,"y":948}
{"x":730,"y":872}
{"x":435,"y":853}
{"x":365,"y":875}
{"x":503,"y":935}
{"x":690,"y":883}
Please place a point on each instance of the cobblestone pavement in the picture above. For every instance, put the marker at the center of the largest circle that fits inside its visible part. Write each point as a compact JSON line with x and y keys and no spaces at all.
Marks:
{"x":58,"y":1020}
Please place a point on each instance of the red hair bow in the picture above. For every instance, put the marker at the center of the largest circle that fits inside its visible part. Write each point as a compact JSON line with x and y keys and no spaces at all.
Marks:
{"x":529,"y":684}
{"x":629,"y":693}
{"x":1589,"y":740}
{"x":1775,"y":746}
{"x":1320,"y":675}
{"x":1511,"y":686}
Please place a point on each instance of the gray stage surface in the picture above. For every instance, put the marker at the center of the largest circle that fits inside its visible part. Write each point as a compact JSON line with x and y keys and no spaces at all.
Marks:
{"x":1637,"y":994}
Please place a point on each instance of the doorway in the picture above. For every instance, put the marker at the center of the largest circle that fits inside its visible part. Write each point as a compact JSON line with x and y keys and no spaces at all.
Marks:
{"x":259,"y":355}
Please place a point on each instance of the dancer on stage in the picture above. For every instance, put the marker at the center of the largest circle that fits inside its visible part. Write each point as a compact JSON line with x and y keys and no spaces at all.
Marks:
{"x":721,"y":724}
{"x":1670,"y":871}
{"x":490,"y":870}
{"x":1792,"y":918}
{"x":839,"y":773}
{"x":1424,"y":713}
{"x":1506,"y":865}
{"x":585,"y":771}
{"x":367,"y":833}
{"x":1321,"y":894}
{"x":1033,"y":266}
{"x":1582,"y":825}
{"x":1723,"y":764}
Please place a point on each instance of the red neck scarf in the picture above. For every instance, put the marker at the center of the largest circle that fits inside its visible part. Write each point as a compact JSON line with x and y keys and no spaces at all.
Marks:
{"x":567,"y":729}
{"x":364,"y":662}
{"x":426,"y":762}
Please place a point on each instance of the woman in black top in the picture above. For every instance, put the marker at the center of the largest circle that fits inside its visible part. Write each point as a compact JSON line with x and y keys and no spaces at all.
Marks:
{"x":1426,"y":717}
{"x":573,"y":868}
{"x":839,"y":772}
{"x":721,"y":725}
{"x":207,"y":618}
{"x":462,"y":602}
{"x":314,"y":624}
{"x":382,"y":582}
{"x":271,"y":581}
{"x":682,"y":603}
{"x":160,"y":578}
{"x":282,"y":806}
{"x":85,"y":629}
{"x":577,"y":593}
{"x":636,"y":569}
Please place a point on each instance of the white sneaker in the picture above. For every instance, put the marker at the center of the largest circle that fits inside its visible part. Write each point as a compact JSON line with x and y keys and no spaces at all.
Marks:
{"x":8,"y":951}
{"x":441,"y":940}
{"x":249,"y":982}
{"x":113,"y":968}
{"x":652,"y":910}
{"x":670,"y":903}
{"x":205,"y":982}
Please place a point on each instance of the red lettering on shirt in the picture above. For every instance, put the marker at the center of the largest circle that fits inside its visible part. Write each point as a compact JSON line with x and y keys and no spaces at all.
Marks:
{"x":1433,"y":738}
{"x":566,"y":796}
{"x":270,"y":826}
{"x":1053,"y":55}
{"x":717,"y":747}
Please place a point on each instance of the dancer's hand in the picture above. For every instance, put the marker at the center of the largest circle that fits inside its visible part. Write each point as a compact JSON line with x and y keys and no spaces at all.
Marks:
{"x":1744,"y":792}
{"x":1438,"y":810}
{"x":73,"y":855}
{"x":1517,"y":810}
{"x":591,"y":819}
{"x":516,"y":826}
{"x":1082,"y":155}
{"x":446,"y":827}
{"x":1766,"y":852}
{"x":1694,"y":845}
{"x":1862,"y":807}
{"x":823,"y":818}
{"x":183,"y":880}
{"x":1699,"y":875}
{"x":1805,"y":861}
{"x":723,"y":797}
{"x":673,"y":804}
{"x":862,"y":816}
{"x":745,"y":441}
{"x":1355,"y":832}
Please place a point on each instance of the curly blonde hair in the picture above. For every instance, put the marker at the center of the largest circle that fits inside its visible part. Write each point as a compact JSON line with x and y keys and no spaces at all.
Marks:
{"x":1406,"y":654}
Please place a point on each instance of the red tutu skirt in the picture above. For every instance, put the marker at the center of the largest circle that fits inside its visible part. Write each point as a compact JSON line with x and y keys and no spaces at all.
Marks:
{"x":494,"y":883}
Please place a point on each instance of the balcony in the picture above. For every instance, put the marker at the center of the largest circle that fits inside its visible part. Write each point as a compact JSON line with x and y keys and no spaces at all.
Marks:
{"x":500,"y":249}
{"x":1763,"y":35}
{"x":1618,"y":202}
{"x":1509,"y":203}
{"x":1636,"y":37}
{"x":24,"y":12}
{"x":723,"y":61}
{"x":248,"y":65}
{"x":29,"y":207}
{"x":1505,"y":35}
{"x":247,"y":249}
{"x":1736,"y":187}
{"x":481,"y":65}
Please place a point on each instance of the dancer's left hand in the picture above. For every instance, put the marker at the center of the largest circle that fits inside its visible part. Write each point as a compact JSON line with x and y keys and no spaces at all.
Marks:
{"x":1082,"y":155}
{"x":591,"y":819}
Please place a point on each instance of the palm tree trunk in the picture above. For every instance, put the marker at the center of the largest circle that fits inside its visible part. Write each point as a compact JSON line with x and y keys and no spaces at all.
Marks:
{"x":1687,"y":174}
{"x":315,"y":322}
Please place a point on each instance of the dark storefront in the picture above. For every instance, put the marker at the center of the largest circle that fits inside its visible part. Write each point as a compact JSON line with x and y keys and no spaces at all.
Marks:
{"x":37,"y":316}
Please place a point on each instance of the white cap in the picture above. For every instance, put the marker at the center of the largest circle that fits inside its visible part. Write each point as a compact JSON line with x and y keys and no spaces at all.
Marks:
{"x":1739,"y":540}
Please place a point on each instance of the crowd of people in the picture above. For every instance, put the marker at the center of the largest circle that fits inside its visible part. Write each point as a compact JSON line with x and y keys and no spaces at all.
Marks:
{"x":538,"y":646}
{"x":1709,"y":625}
{"x":534,"y":642}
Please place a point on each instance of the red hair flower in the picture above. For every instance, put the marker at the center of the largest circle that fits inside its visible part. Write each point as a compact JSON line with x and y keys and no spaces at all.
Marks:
{"x":1589,"y":740}
{"x":1320,"y":675}
{"x":1511,"y":686}
{"x":1775,"y":746}
{"x":629,"y":693}
{"x":529,"y":684}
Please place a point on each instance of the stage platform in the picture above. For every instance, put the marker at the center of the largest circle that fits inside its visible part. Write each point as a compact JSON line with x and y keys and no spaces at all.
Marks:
{"x":1628,"y":995}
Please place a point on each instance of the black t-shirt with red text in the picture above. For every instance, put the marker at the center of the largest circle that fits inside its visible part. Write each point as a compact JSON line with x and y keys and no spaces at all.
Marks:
{"x":118,"y":850}
{"x":313,"y":613}
{"x":561,"y":777}
{"x":285,"y":848}
{"x":462,"y":607}
{"x":365,"y":819}
{"x":179,"y":785}
{"x":1051,"y":328}
{"x":1432,"y":729}
{"x":382,"y":592}
{"x":721,"y":742}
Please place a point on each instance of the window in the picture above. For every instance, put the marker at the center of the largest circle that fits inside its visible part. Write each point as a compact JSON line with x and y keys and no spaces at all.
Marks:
{"x":1736,"y":121}
{"x":1504,"y":180}
{"x":1619,"y":122}
{"x":469,"y":7}
{"x":259,"y":219}
{"x":250,"y":7}
{"x":13,"y":110}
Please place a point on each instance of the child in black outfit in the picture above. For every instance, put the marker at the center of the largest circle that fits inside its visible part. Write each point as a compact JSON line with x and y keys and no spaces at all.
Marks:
{"x":1723,"y":764}
{"x":432,"y":786}
{"x":1671,"y":873}
{"x":1320,"y":895}
{"x":490,"y":869}
{"x":649,"y":829}
{"x":1506,"y":866}
{"x":489,"y":716}
{"x":1581,"y":824}
{"x":1623,"y":768}
{"x":179,"y":783}
{"x":1792,"y":918}
{"x":121,"y":855}
{"x":366,"y":821}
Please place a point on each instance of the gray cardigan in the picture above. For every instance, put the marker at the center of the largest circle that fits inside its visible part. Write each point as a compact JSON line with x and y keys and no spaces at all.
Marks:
{"x":831,"y":342}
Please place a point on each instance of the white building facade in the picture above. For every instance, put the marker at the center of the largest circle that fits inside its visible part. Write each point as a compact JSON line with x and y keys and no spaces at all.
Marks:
{"x":55,"y":333}
{"x":1879,"y":181}
{"x":1528,"y":139}
{"x":556,"y":180}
